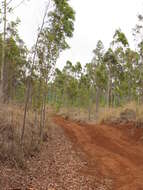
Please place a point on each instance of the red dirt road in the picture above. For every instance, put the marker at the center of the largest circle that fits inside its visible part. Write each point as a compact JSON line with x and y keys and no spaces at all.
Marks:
{"x":114,"y":153}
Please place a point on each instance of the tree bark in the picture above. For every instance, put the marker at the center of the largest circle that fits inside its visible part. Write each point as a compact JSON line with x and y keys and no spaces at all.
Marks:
{"x":2,"y":81}
{"x":25,"y":110}
{"x":97,"y":101}
{"x":109,"y":89}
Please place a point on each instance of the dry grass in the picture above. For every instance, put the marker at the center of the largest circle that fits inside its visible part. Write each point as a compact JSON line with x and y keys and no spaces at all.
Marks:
{"x":75,"y":114}
{"x":105,"y":114}
{"x":114,"y":113}
{"x":11,"y":118}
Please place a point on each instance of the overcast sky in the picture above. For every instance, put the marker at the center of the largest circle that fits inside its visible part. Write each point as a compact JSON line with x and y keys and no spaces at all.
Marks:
{"x":95,"y":20}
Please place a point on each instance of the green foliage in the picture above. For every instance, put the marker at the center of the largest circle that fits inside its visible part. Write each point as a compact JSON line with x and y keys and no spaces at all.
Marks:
{"x":120,"y":37}
{"x":113,"y":76}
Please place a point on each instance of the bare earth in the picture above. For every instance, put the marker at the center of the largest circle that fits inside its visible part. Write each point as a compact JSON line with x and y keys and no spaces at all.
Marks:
{"x":82,"y":157}
{"x":114,"y":153}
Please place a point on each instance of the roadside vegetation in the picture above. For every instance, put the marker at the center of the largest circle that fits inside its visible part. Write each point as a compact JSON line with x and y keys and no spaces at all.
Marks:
{"x":10,"y":131}
{"x":25,"y":75}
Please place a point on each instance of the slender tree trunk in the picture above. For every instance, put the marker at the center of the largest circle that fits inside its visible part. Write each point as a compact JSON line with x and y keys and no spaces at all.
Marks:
{"x":89,"y":112}
{"x":78,"y":100}
{"x":90,"y":105}
{"x":29,"y":81}
{"x":111,"y":96}
{"x":36,"y":118}
{"x":109,"y":90}
{"x":2,"y":94}
{"x":129,"y":91}
{"x":97,"y":101}
{"x":25,"y":110}
{"x":114,"y":103}
{"x":43,"y":116}
{"x":44,"y":113}
{"x":41,"y":121}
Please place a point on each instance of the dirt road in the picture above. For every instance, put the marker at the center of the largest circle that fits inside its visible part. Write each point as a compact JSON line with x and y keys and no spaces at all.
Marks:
{"x":57,"y":167}
{"x":81,"y":157}
{"x":114,"y":153}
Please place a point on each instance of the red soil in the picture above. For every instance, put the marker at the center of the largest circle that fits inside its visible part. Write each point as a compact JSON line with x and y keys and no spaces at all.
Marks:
{"x":112,"y":152}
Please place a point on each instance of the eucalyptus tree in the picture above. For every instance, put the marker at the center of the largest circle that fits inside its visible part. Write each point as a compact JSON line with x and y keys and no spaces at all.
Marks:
{"x":128,"y":60}
{"x":138,"y":36}
{"x":89,"y":91}
{"x":78,"y":70}
{"x":12,"y":50}
{"x":131,"y":74}
{"x":59,"y":90}
{"x":119,"y":38}
{"x":78,"y":73}
{"x":140,"y":72}
{"x":115,"y":61}
{"x":67,"y":85}
{"x":2,"y":81}
{"x":56,"y":26}
{"x":14,"y":61}
{"x":99,"y":72}
{"x":70,"y":84}
{"x":111,"y":64}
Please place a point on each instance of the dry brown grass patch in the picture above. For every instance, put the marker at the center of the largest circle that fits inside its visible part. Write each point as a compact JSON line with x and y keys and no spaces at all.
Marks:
{"x":11,"y":119}
{"x":129,"y":112}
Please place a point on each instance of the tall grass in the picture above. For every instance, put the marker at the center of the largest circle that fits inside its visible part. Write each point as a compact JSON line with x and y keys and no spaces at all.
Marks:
{"x":11,"y":118}
{"x":114,"y":113}
{"x":104,"y":113}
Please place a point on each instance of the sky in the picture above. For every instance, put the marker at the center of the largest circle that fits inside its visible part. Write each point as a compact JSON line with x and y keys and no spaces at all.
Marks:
{"x":95,"y":20}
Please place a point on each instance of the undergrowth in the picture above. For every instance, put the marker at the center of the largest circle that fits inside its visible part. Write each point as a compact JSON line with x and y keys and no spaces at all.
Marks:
{"x":128,"y":112}
{"x":131,"y":111}
{"x":11,"y":151}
